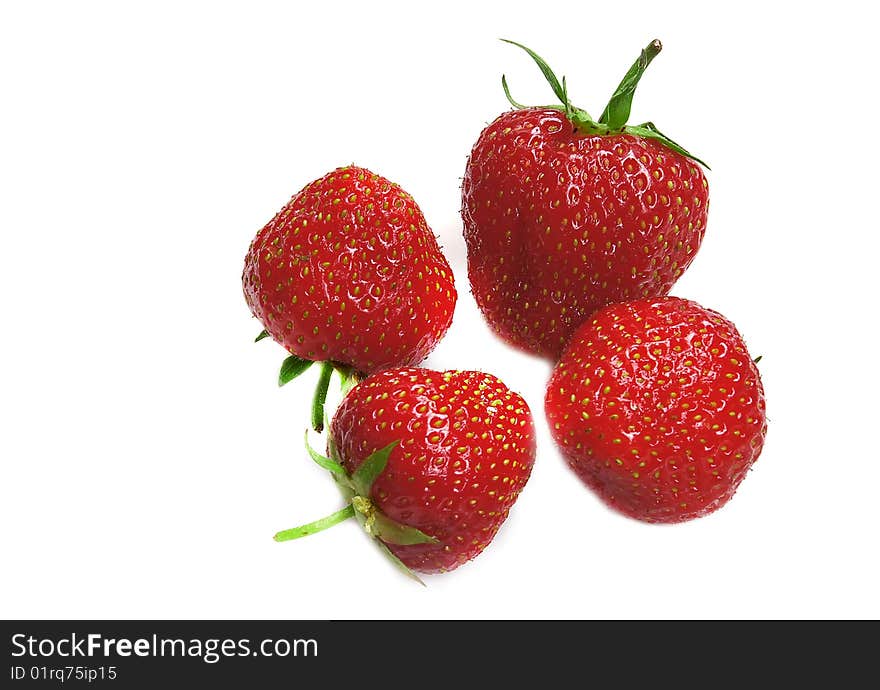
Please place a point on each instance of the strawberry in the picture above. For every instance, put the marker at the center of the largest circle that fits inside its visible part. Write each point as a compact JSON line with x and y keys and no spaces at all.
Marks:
{"x":657,"y":406}
{"x":349,"y":273}
{"x":430,"y":463}
{"x":563,"y":214}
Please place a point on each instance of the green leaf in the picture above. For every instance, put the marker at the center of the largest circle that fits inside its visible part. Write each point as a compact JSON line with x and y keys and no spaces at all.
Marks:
{"x":321,"y":396}
{"x":364,"y":476}
{"x":333,"y":450}
{"x":326,"y":463}
{"x":316,"y":526}
{"x":348,"y":382}
{"x":292,"y":367}
{"x":565,"y":100}
{"x":344,"y":482}
{"x":649,"y":131}
{"x":617,"y":111}
{"x":758,"y":359}
{"x":518,"y":106}
{"x":399,"y":564}
{"x":263,"y":334}
{"x":545,"y":69}
{"x":395,"y":533}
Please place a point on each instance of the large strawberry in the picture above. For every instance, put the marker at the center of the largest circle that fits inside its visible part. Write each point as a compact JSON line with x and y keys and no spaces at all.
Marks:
{"x":430,"y":462}
{"x":658,"y":406}
{"x":349,"y":273}
{"x":564,"y":214}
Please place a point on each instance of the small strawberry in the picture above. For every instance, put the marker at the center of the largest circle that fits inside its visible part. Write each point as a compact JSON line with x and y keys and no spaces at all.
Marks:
{"x":349,"y":273}
{"x":657,"y":406}
{"x":564,"y":214}
{"x":430,"y":463}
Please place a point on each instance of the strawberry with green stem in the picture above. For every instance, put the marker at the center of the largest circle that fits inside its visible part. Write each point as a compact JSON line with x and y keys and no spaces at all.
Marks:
{"x":429,"y":462}
{"x":349,"y":274}
{"x":356,"y":489}
{"x":564,"y":214}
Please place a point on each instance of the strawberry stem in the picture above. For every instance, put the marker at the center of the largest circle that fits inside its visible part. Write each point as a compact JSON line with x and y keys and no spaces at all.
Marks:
{"x":321,"y":396}
{"x":316,"y":526}
{"x":617,"y":111}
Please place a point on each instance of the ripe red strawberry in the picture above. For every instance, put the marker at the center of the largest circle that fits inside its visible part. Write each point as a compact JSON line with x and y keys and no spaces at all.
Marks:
{"x":349,"y":272}
{"x":563,"y":214}
{"x":431,"y":462}
{"x":657,"y":405}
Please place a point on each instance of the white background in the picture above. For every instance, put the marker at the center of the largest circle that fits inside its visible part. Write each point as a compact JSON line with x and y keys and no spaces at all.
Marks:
{"x":147,"y":454}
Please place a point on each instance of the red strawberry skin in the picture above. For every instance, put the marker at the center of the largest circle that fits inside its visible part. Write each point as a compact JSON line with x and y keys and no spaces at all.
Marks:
{"x":657,"y":406}
{"x":467,"y":446}
{"x":559,"y":223}
{"x":349,"y":271}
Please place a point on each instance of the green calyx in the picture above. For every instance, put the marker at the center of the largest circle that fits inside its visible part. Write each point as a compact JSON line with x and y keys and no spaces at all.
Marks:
{"x":357,"y":488}
{"x":291,"y":368}
{"x":616,"y":113}
{"x":294,"y":366}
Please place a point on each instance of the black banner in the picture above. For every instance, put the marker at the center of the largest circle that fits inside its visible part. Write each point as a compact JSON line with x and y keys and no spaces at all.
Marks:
{"x":132,"y":654}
